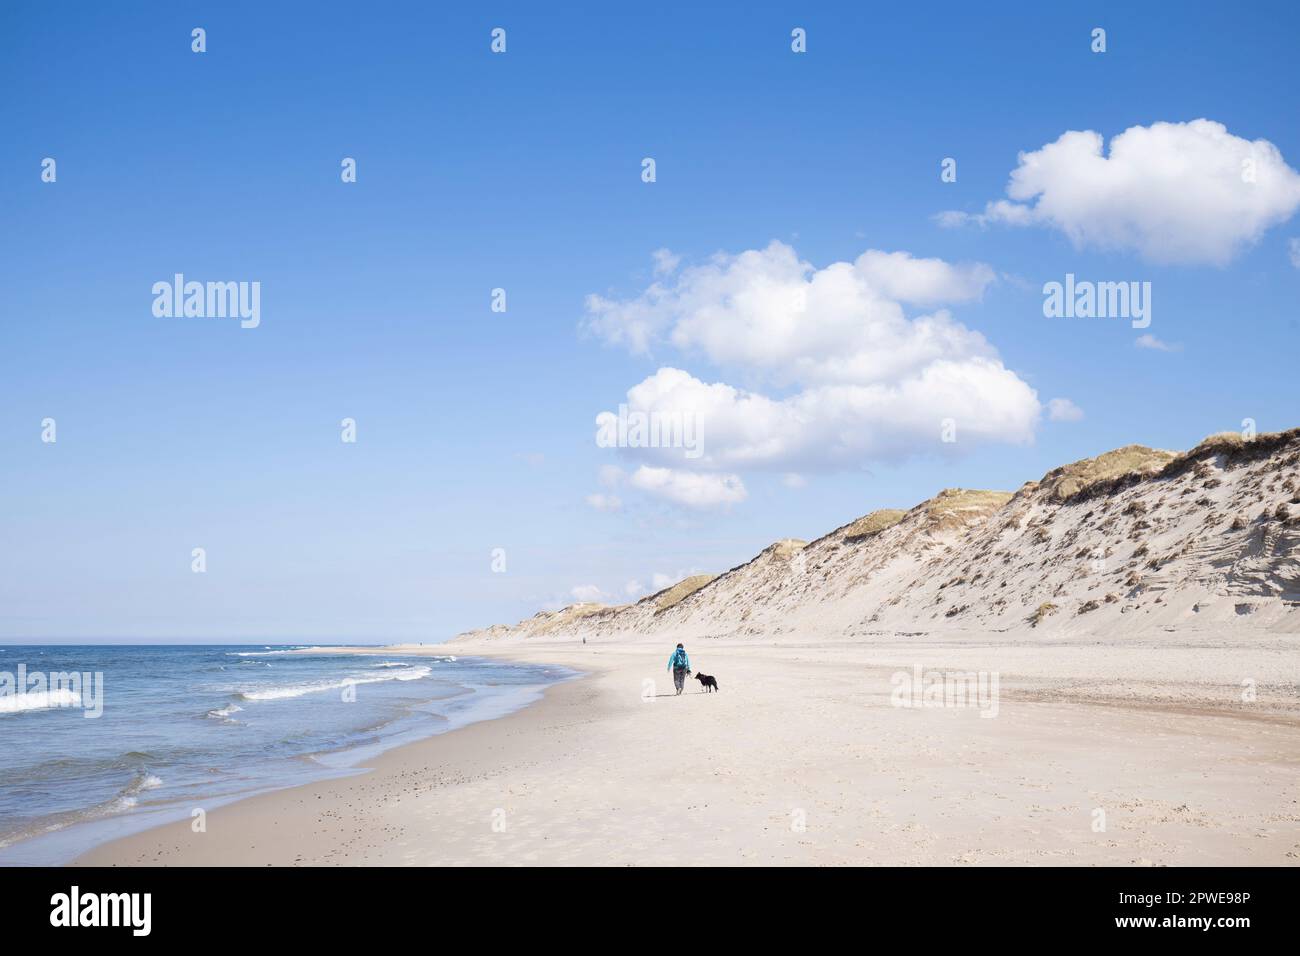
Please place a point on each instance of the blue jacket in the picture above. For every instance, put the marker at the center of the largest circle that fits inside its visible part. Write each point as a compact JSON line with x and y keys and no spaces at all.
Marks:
{"x":679,"y":659}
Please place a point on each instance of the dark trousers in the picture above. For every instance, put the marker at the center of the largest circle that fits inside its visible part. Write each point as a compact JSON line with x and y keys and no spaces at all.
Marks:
{"x":679,"y":678}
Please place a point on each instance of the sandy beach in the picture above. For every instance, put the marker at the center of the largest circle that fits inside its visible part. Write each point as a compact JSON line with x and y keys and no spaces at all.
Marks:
{"x":1097,"y":753}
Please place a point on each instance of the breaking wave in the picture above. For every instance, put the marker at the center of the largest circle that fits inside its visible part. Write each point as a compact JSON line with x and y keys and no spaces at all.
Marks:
{"x":315,"y":687}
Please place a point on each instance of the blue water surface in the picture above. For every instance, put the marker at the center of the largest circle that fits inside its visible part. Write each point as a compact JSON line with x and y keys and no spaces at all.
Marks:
{"x":193,"y":726}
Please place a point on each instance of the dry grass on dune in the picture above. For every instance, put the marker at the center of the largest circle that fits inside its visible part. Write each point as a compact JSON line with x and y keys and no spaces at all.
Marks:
{"x":1080,"y":477}
{"x":1118,"y":469}
{"x":671,"y":596}
{"x":785,"y":549}
{"x":1233,"y":447}
{"x":872,"y":524}
{"x":954,"y":507}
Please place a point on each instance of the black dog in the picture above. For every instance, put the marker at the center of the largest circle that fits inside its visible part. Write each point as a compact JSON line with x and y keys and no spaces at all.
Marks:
{"x":706,"y":682}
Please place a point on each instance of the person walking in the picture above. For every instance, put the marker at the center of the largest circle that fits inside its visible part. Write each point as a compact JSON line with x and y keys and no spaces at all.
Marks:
{"x":680,"y":665}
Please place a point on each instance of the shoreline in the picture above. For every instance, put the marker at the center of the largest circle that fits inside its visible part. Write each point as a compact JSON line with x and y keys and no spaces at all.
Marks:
{"x":800,"y":759}
{"x":390,"y":765}
{"x":59,"y":841}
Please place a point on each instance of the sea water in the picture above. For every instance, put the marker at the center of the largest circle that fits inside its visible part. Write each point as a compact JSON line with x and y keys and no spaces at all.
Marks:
{"x":182,"y":728}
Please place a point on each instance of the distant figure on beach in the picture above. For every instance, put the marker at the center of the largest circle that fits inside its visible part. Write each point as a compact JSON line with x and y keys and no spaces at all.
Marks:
{"x":680,"y":665}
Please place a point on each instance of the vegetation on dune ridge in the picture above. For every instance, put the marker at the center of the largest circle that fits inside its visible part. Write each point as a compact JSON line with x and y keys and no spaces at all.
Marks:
{"x":1078,"y":478}
{"x":954,"y":508}
{"x":782,"y":550}
{"x":860,"y":529}
{"x":786,"y":548}
{"x":871,"y":524}
{"x":545,"y":622}
{"x":671,"y":596}
{"x":1232,"y":446}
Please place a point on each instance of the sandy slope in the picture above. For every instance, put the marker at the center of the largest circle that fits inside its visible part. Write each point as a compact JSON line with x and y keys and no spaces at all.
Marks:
{"x":1154,"y":735}
{"x":1136,"y":540}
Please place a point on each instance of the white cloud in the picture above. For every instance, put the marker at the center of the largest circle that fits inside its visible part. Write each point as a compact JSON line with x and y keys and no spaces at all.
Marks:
{"x":899,"y":276}
{"x":1293,"y":249}
{"x":792,"y":479}
{"x":838,"y":373}
{"x":693,"y":489}
{"x":1064,"y":410}
{"x":665,"y":261}
{"x":765,"y":309}
{"x":633,"y":588}
{"x":1149,"y":341}
{"x":603,"y":502}
{"x":832,"y":427}
{"x":1174,"y":192}
{"x":587,"y":594}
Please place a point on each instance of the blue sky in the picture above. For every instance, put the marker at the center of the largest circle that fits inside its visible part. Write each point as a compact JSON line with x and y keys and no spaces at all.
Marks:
{"x":475,"y":429}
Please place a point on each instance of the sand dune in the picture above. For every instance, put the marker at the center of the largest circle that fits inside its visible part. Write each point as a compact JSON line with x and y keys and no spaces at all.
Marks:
{"x":1137,"y":539}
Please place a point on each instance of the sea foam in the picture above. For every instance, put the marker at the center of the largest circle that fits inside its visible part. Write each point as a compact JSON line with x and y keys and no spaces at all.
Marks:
{"x":315,"y":687}
{"x":39,"y":700}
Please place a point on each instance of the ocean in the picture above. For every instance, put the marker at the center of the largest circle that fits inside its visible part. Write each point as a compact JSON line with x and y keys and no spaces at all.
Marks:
{"x":111,"y":739}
